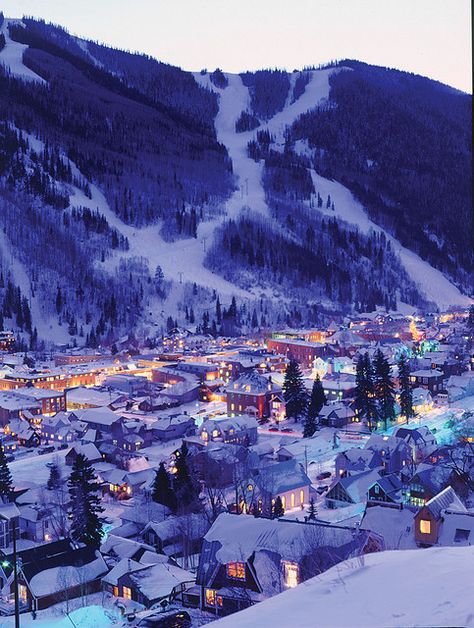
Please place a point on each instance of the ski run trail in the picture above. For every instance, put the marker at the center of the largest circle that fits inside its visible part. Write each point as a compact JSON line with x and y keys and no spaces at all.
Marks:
{"x":182,"y":261}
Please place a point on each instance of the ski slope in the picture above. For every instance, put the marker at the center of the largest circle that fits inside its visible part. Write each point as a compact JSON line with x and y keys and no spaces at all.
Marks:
{"x":431,"y":282}
{"x":12,"y":55}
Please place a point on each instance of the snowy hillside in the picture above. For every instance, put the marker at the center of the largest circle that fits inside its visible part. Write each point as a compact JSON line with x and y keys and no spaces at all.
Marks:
{"x":376,"y":591}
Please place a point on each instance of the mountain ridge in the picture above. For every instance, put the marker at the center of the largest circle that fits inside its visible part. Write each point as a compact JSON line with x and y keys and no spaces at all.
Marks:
{"x":179,"y":241}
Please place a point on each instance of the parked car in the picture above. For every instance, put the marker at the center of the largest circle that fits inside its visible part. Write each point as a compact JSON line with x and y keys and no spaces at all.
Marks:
{"x":322,"y":489}
{"x":324,"y":475}
{"x":273,"y":429}
{"x":161,"y":619}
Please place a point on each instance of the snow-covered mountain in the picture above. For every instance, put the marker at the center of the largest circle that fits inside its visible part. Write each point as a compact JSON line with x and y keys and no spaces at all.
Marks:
{"x":135,"y":194}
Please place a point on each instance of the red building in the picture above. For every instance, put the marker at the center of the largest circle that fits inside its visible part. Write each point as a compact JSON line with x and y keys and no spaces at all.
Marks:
{"x":251,"y":390}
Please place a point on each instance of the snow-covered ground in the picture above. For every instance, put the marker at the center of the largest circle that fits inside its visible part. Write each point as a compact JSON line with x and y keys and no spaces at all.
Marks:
{"x":12,"y":55}
{"x":429,"y":587}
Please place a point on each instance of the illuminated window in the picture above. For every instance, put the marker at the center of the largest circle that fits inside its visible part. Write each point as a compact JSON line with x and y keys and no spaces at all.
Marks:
{"x":236,"y":571}
{"x":283,"y":502}
{"x":23,"y":591}
{"x":425,"y":526}
{"x":116,"y":591}
{"x":215,"y":433}
{"x":292,"y":500}
{"x":127,"y":593}
{"x":290,"y":574}
{"x":204,"y":435}
{"x":212,"y":599}
{"x":301,"y":497}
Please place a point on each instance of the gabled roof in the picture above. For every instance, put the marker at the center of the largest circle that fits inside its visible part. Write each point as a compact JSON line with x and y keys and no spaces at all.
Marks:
{"x":281,"y":477}
{"x":447,"y":498}
{"x":253,"y":383}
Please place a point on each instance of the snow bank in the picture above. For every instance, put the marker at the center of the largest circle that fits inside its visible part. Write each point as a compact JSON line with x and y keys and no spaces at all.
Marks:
{"x":430,"y":587}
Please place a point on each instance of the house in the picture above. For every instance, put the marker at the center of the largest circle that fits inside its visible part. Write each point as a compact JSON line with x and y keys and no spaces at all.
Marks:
{"x":421,"y":440}
{"x":394,"y":453}
{"x":336,"y":415}
{"x":286,"y":480}
{"x":394,"y":523}
{"x":51,"y":401}
{"x":251,"y":390}
{"x":351,"y":490}
{"x":100,"y":419}
{"x":80,"y":398}
{"x":12,"y":406}
{"x":57,"y":428}
{"x":422,"y":400}
{"x":90,"y":451}
{"x":36,"y":524}
{"x":428,"y":481}
{"x":50,"y":573}
{"x":432,"y":379}
{"x":237,"y":429}
{"x":387,"y":488}
{"x":9,"y":520}
{"x":247,"y":559}
{"x":173,"y":426}
{"x":339,"y":386}
{"x":124,"y":484}
{"x":147,"y":582}
{"x":354,"y":461}
{"x":216,"y":464}
{"x":431,"y":517}
{"x":176,"y":536}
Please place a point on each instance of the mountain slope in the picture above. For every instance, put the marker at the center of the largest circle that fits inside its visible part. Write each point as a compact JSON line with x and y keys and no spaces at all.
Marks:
{"x":139,"y":171}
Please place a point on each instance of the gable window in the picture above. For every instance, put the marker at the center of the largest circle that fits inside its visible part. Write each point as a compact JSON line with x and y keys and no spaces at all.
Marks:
{"x":127,"y":593}
{"x":425,"y":526}
{"x":461,"y":535}
{"x":236,"y":571}
{"x":290,"y":574}
{"x":212,"y":599}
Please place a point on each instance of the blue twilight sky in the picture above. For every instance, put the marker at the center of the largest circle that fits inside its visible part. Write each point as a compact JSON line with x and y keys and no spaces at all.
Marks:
{"x":429,"y":37}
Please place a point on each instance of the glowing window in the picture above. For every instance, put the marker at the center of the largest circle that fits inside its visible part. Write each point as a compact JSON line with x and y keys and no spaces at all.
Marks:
{"x":283,"y":502}
{"x":425,"y":526}
{"x":116,"y":591}
{"x":290,"y":574}
{"x":212,"y":599}
{"x":215,"y":433}
{"x":127,"y":593}
{"x":292,"y":500}
{"x":301,"y":496}
{"x":236,"y":571}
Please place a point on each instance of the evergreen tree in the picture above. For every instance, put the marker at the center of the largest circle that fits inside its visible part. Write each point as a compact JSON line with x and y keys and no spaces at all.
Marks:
{"x":85,"y":507}
{"x":186,"y":487}
{"x":162,"y":492}
{"x":384,"y":390}
{"x":54,"y":480}
{"x":406,"y":395}
{"x":294,"y":391}
{"x":6,"y":483}
{"x":361,"y":394}
{"x":470,"y":319}
{"x":372,"y":411}
{"x":278,"y":510}
{"x":312,"y":512}
{"x":316,"y":402}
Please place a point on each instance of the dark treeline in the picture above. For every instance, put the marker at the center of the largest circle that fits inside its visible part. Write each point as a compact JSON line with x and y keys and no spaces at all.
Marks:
{"x":268,"y":91}
{"x":411,"y":169}
{"x":147,"y":161}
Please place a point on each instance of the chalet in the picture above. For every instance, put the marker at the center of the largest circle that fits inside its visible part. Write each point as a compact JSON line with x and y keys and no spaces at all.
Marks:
{"x":440,"y":511}
{"x":422,"y":400}
{"x":237,"y":430}
{"x":246,"y":559}
{"x":36,"y":524}
{"x":355,"y":460}
{"x":251,"y":390}
{"x":428,"y":481}
{"x":50,"y":573}
{"x":124,"y":484}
